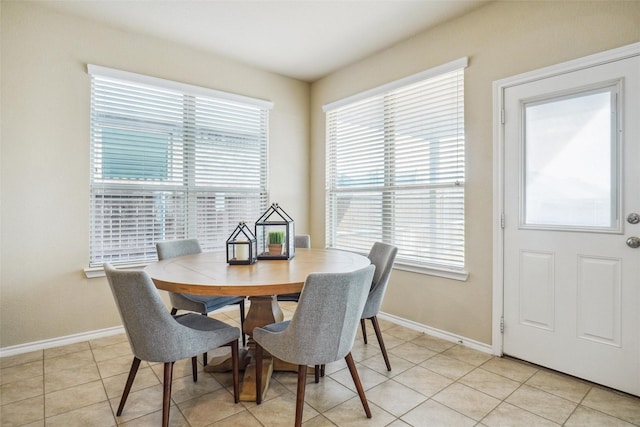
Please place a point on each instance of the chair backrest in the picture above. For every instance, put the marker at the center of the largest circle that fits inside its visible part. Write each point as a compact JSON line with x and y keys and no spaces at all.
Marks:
{"x":324,"y":325}
{"x":382,"y":256}
{"x":153,"y":333}
{"x":302,"y":241}
{"x":174,"y":248}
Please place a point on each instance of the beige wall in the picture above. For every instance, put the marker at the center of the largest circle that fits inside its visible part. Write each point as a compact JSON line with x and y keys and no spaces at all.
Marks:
{"x":44,"y":154}
{"x":45,"y":158}
{"x":500,"y":39}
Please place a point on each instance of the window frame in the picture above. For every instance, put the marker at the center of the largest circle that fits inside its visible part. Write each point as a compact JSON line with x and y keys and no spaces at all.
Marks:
{"x":197,"y":176}
{"x":386,"y":144}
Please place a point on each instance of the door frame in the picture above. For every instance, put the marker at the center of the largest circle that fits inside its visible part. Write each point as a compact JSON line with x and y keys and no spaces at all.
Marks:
{"x":499,"y":87}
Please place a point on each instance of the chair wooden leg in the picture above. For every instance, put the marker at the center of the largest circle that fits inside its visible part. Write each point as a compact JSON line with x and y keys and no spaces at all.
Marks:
{"x":322,"y":370}
{"x":316,"y":373}
{"x":356,"y":380}
{"x":376,"y":327}
{"x":204,"y":355}
{"x":302,"y":383}
{"x":364,"y":330}
{"x":194,"y":368}
{"x":258,"y":374}
{"x":166,"y":393}
{"x":244,"y":336}
{"x":127,"y":388}
{"x":236,"y":371}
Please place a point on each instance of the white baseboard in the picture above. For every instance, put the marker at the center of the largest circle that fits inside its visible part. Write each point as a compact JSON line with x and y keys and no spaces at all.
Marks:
{"x":72,"y":339}
{"x":60,"y":341}
{"x":92,"y":335}
{"x":476,"y":345}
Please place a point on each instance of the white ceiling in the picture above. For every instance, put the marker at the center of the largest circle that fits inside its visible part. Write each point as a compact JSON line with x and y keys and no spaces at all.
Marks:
{"x":303,"y":39}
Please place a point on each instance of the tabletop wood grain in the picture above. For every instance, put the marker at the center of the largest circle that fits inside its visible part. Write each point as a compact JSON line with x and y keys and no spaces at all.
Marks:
{"x":208,"y":273}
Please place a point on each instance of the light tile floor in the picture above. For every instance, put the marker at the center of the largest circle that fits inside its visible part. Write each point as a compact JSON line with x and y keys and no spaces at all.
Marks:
{"x":433,"y":383}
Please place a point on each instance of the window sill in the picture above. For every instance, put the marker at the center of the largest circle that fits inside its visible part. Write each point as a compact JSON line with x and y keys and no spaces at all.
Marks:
{"x":460,"y":275}
{"x":95,"y":272}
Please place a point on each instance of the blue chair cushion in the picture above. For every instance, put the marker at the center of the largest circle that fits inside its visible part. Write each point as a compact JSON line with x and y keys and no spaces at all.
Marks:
{"x":212,"y":303}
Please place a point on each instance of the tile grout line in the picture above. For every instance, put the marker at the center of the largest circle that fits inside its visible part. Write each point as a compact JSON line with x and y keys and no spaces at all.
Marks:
{"x":459,"y":356}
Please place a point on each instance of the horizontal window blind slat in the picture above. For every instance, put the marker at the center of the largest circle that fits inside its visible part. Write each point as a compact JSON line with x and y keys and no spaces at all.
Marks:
{"x":426,"y":75}
{"x":168,"y":165}
{"x":140,"y":80}
{"x":395,"y":172}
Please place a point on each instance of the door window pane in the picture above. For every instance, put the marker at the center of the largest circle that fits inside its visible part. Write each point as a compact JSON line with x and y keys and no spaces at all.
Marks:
{"x":570,"y":161}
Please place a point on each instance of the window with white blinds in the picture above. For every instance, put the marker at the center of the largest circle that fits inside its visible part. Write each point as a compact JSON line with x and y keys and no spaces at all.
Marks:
{"x":171,"y":161}
{"x":395,"y":169}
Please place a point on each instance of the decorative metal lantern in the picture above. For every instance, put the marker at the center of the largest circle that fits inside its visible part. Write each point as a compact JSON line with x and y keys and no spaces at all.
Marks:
{"x":275,"y":231}
{"x":241,"y":246}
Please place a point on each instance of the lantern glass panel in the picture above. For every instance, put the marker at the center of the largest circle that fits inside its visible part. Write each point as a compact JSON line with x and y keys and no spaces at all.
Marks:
{"x":275,"y":234}
{"x":241,"y":246}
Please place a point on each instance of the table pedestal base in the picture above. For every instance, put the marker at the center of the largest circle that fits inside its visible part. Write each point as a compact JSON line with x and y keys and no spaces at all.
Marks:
{"x":223,"y":363}
{"x":248,"y":386}
{"x":263,"y":310}
{"x":282,"y":366}
{"x":248,"y":365}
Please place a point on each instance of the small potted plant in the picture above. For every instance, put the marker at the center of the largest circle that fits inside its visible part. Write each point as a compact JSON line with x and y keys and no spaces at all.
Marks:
{"x":276,"y":239}
{"x":275,"y":227}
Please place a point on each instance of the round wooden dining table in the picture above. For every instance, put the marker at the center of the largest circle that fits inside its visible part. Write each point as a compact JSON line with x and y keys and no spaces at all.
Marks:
{"x":208,"y":273}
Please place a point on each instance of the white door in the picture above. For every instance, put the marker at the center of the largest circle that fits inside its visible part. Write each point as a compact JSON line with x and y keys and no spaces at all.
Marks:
{"x":571,"y":200}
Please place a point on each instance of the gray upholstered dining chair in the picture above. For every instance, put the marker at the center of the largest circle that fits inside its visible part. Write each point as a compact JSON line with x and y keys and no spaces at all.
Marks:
{"x":202,"y":304}
{"x":300,"y":241}
{"x":381,"y":255}
{"x":322,"y":329}
{"x":157,"y":336}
